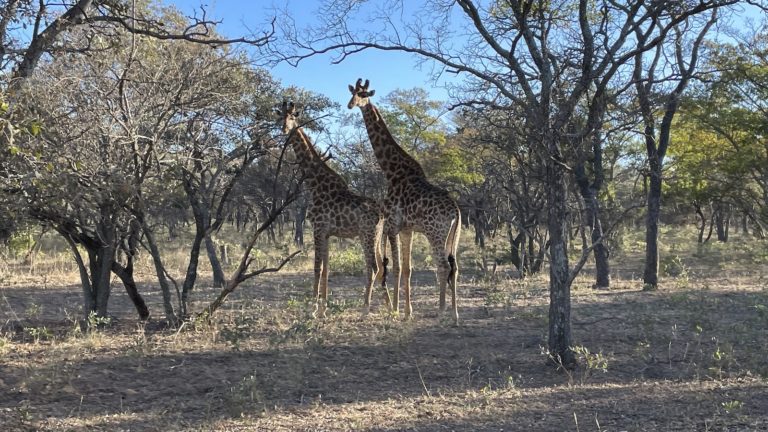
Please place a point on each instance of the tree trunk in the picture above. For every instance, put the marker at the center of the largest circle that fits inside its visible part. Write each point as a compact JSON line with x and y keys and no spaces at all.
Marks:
{"x":126,"y":276}
{"x":592,"y":220}
{"x":516,"y":243}
{"x":101,"y":261}
{"x":162,"y":279}
{"x":191,"y":276}
{"x":536,"y":261}
{"x":219,"y":280}
{"x":651,"y":271}
{"x":560,"y":341}
{"x":722,"y":220}
{"x":224,"y":253}
{"x":298,"y":226}
{"x":744,"y":224}
{"x":89,"y":301}
{"x":702,"y":220}
{"x":129,"y":247}
{"x":711,"y":226}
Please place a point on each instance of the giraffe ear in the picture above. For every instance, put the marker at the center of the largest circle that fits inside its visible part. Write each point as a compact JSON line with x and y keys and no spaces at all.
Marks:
{"x":371,"y":93}
{"x":351,"y":89}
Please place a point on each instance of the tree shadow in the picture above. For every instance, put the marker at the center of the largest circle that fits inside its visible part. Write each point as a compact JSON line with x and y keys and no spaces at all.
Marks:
{"x":661,"y":339}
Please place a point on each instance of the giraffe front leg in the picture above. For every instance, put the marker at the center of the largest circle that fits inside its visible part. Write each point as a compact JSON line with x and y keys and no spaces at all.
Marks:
{"x":369,"y":252}
{"x":394,"y":243}
{"x":321,"y":243}
{"x":406,"y":242}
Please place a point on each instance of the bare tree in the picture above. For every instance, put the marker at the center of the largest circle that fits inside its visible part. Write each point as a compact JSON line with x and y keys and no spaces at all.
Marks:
{"x":49,"y":20}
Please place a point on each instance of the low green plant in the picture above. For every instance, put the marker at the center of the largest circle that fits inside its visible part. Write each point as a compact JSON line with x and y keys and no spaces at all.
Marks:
{"x":238,"y":331}
{"x":672,"y":265}
{"x":348,"y":261}
{"x":762,"y":312}
{"x":733,"y":406}
{"x":95,"y":321}
{"x":495,"y":297}
{"x":34,"y":310}
{"x":592,"y":362}
{"x":38,"y":334}
{"x":301,"y":330}
{"x":5,"y":344}
{"x":242,"y":397}
{"x":341,"y":305}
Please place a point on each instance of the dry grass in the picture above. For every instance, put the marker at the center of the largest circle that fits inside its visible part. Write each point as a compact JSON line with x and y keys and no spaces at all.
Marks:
{"x":690,"y":356}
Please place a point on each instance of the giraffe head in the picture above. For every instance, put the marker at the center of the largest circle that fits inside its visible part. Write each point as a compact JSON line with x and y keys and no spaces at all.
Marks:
{"x":360,"y":94}
{"x":287,"y":117}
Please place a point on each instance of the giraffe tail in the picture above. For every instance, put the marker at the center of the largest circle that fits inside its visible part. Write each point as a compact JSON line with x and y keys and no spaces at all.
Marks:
{"x":452,"y":245}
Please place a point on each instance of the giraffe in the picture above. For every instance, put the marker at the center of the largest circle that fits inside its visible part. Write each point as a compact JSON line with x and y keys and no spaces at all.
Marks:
{"x":412,"y":205}
{"x":335,"y":211}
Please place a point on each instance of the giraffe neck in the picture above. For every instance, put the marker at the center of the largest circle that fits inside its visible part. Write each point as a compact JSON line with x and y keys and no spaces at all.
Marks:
{"x":319,"y":177}
{"x":396,"y":164}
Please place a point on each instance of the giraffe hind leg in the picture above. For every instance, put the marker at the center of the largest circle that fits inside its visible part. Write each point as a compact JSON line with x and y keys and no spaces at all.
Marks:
{"x":453,"y":277}
{"x":371,"y":269}
{"x":406,"y":243}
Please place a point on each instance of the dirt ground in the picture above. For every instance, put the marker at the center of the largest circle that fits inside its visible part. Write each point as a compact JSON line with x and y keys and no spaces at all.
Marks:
{"x":691,"y":356}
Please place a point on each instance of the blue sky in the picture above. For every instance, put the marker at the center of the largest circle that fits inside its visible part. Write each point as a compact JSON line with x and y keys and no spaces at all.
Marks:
{"x":387,"y":71}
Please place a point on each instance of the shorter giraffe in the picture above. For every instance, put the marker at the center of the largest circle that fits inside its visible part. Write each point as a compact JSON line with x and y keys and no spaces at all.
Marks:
{"x":335,"y":211}
{"x":412,"y":204}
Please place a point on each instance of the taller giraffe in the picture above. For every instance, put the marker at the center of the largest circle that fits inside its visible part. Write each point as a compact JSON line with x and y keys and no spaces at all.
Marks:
{"x":412,"y":204}
{"x":335,"y":211}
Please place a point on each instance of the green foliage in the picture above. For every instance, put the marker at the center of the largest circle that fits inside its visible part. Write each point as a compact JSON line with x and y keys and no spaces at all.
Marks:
{"x":495,"y":297}
{"x":733,"y":406}
{"x":247,"y":392}
{"x":347,"y":261}
{"x":417,"y":124}
{"x":95,"y":321}
{"x":238,"y":331}
{"x":672,"y":265}
{"x":301,"y":330}
{"x":41,"y":333}
{"x":21,"y":241}
{"x":338,"y":306}
{"x":719,"y":152}
{"x":592,"y":362}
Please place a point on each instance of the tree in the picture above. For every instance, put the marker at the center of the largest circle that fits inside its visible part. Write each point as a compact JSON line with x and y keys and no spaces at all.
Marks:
{"x":31,"y":30}
{"x":119,"y":127}
{"x":730,"y":108}
{"x":662,"y":83}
